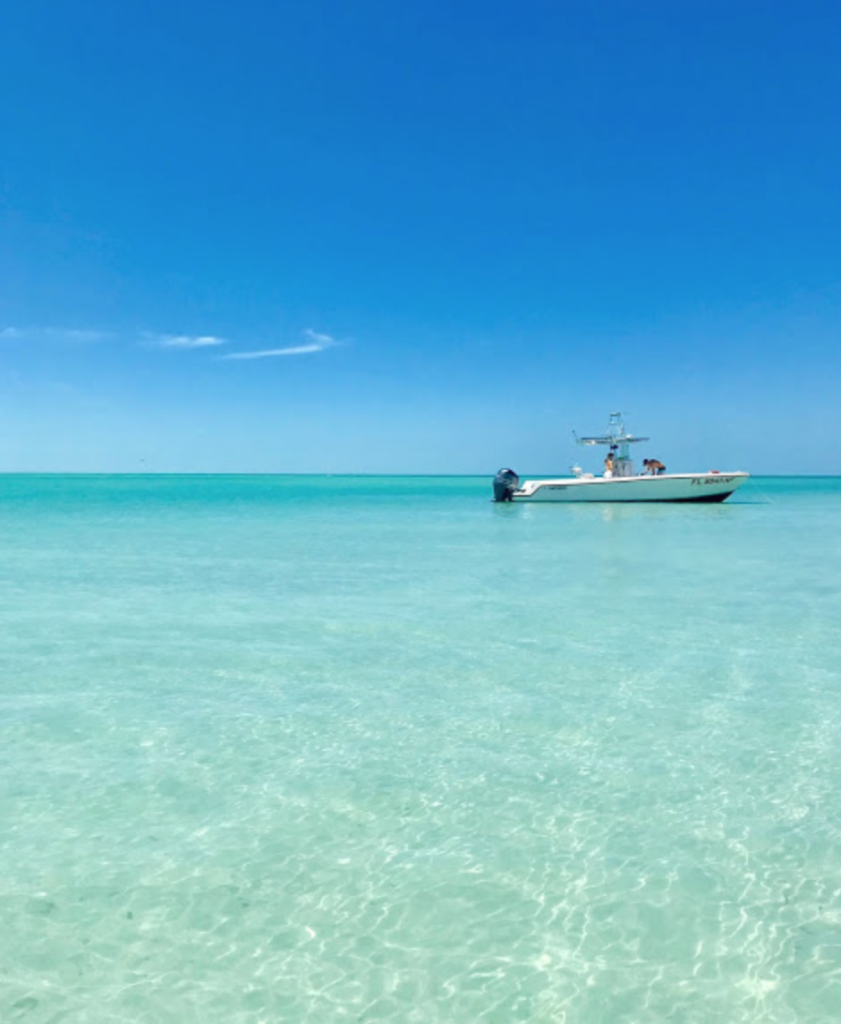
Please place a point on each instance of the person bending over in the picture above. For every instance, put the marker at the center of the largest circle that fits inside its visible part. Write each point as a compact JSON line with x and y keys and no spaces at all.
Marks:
{"x":653,"y":466}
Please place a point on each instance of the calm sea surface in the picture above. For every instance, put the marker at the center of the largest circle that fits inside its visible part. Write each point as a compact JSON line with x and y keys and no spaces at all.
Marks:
{"x":317,"y":749}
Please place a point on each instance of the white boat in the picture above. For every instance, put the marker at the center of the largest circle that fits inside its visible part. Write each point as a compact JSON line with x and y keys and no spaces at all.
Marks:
{"x":620,"y":481}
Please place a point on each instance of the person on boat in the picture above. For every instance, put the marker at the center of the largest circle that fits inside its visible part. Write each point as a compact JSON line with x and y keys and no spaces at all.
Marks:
{"x":653,"y":466}
{"x":608,"y":464}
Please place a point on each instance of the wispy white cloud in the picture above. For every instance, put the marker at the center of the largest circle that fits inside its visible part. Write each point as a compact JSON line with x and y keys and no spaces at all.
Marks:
{"x":318,"y":342}
{"x":183,"y":340}
{"x":324,"y":340}
{"x":268,"y":353}
{"x":315,"y":341}
{"x":53,"y":334}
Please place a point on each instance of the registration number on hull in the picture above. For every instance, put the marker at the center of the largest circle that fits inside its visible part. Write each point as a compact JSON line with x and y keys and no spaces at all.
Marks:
{"x":712,"y":480}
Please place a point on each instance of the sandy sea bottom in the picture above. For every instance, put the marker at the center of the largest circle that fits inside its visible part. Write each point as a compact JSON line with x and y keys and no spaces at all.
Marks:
{"x":360,"y":749}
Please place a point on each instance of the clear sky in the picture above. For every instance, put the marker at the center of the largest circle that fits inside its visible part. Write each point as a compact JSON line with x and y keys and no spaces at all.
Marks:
{"x":418,"y":235}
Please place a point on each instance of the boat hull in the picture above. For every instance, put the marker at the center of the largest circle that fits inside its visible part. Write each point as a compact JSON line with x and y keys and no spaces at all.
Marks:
{"x":675,"y":487}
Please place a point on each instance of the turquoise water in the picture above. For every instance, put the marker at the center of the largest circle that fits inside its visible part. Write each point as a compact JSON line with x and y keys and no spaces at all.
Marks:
{"x":323,"y":749}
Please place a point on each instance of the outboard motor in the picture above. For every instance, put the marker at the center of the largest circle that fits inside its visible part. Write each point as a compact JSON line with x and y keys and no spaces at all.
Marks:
{"x":506,"y":482}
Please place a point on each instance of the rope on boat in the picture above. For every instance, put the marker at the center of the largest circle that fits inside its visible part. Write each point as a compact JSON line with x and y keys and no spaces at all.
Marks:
{"x":768,"y":500}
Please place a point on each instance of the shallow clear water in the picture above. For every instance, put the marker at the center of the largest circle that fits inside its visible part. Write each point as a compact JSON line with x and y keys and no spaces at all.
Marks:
{"x":375,"y":749}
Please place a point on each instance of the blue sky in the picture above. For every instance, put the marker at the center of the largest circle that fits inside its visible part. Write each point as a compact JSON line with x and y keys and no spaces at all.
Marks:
{"x":416,"y":236}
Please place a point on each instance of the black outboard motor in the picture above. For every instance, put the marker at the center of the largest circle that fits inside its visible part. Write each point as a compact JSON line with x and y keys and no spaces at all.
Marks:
{"x":506,"y":482}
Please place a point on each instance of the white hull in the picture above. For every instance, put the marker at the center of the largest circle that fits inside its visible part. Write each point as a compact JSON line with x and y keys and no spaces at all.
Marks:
{"x":667,"y":487}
